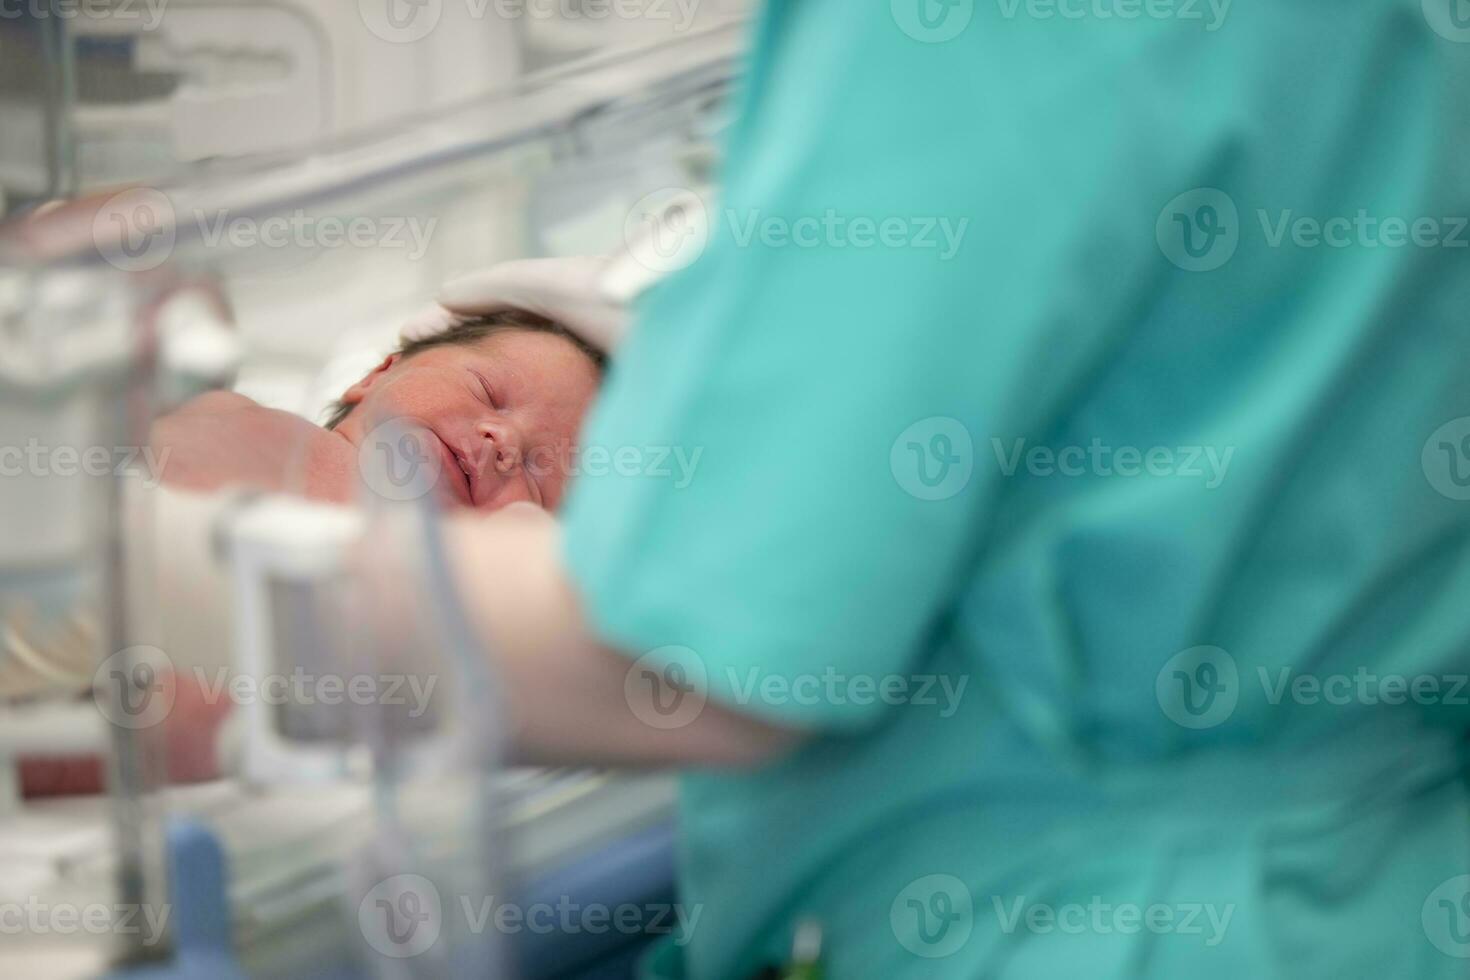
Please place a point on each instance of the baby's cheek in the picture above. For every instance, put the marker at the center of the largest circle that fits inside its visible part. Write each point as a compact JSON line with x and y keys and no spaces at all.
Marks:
{"x":548,"y":463}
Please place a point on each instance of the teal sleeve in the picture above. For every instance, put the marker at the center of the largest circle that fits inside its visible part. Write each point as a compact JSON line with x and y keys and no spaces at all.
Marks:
{"x":878,"y":299}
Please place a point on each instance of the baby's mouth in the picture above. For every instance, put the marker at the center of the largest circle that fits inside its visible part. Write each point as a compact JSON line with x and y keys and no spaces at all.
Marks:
{"x":461,"y":475}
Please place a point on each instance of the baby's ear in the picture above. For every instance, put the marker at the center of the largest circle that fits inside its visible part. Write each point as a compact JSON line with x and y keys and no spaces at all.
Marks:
{"x":355,"y":394}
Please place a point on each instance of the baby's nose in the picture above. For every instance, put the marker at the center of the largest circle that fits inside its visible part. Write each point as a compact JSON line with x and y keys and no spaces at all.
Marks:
{"x":501,"y":443}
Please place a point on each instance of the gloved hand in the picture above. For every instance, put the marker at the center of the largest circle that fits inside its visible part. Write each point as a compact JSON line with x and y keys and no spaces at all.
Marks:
{"x":588,"y":294}
{"x":567,"y":290}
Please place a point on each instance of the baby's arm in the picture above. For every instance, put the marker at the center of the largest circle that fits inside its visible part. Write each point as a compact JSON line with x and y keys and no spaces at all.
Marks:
{"x":222,"y":439}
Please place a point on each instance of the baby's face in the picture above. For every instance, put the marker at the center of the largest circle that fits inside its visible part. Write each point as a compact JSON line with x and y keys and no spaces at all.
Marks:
{"x":505,"y":411}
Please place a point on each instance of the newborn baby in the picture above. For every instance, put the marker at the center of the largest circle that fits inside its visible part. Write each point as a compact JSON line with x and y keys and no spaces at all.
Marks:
{"x":501,"y":397}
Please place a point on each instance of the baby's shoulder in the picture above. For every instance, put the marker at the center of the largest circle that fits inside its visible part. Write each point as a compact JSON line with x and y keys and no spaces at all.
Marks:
{"x":218,"y":403}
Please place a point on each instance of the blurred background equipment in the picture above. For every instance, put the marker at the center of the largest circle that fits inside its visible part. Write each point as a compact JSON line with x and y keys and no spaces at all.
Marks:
{"x":112,"y":91}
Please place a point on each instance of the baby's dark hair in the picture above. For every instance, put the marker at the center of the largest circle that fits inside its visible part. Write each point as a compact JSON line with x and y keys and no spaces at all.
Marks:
{"x":472,"y":332}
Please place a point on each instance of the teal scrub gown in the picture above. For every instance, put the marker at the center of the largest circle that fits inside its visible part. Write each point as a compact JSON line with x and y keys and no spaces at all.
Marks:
{"x":1079,"y":410}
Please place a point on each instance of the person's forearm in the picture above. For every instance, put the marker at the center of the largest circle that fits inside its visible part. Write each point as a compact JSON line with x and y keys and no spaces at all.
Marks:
{"x":564,"y":689}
